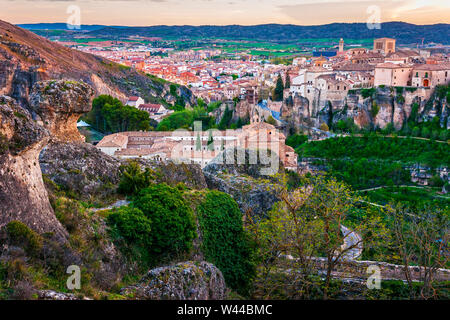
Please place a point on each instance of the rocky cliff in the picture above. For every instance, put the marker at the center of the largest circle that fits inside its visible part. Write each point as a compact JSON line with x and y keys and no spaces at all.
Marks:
{"x":371,"y":108}
{"x":22,"y":193}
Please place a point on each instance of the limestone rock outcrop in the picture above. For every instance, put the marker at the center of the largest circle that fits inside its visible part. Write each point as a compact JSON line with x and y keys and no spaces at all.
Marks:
{"x":22,"y":193}
{"x":59,"y":105}
{"x":253,"y":192}
{"x":183,"y":281}
{"x":80,"y":167}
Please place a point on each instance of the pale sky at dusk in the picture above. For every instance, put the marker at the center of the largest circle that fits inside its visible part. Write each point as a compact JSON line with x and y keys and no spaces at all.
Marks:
{"x":221,"y":12}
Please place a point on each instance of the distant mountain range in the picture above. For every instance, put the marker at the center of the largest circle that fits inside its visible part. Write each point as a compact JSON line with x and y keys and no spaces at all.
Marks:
{"x":60,"y":26}
{"x":405,"y":33}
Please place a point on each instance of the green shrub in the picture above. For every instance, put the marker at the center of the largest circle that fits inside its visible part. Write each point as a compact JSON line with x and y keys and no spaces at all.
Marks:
{"x":225,"y":243}
{"x":19,"y":234}
{"x":132,"y":225}
{"x":296,"y":140}
{"x":133,"y":178}
{"x":173,"y":225}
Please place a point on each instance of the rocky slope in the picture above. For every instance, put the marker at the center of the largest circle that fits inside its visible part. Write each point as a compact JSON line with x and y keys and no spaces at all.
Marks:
{"x":26,"y":58}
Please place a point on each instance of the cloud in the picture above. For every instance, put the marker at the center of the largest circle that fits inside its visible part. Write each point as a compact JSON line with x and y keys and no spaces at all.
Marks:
{"x":321,"y":12}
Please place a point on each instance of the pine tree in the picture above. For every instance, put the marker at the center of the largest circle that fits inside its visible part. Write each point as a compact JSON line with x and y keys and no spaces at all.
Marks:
{"x":288,"y":81}
{"x":278,"y":92}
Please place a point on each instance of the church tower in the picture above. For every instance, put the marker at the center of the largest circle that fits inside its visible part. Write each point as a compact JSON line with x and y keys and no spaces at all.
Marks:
{"x":341,"y":46}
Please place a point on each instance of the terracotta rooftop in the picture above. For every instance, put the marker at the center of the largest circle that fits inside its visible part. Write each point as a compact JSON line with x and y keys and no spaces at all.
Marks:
{"x":113,"y":141}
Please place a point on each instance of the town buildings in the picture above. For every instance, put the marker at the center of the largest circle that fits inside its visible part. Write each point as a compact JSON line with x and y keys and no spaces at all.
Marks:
{"x":198,"y":147}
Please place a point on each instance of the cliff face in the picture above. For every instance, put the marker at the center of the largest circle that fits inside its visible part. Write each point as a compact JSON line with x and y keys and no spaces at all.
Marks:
{"x":26,"y":58}
{"x":22,"y":193}
{"x":381,"y":107}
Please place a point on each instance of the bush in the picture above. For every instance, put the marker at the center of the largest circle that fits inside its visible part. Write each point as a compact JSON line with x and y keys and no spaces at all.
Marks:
{"x":173,"y":226}
{"x":225,"y":243}
{"x":20,"y":235}
{"x":132,"y":225}
{"x":296,"y":140}
{"x":133,"y":179}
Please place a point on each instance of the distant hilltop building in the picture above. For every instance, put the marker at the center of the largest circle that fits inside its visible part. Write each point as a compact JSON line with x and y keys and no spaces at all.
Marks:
{"x":384,"y":45}
{"x":197,"y":147}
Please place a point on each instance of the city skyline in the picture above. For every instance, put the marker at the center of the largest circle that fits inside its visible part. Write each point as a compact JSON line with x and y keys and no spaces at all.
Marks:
{"x":225,"y":12}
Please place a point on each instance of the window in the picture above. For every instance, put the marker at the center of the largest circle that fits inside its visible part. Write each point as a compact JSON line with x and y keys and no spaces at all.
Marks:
{"x":426,"y":74}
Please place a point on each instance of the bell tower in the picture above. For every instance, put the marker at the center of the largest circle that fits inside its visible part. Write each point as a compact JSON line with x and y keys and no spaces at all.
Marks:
{"x":341,"y":46}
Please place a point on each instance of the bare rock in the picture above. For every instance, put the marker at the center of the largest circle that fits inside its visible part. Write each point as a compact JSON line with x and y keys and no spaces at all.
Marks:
{"x":80,"y":167}
{"x":60,"y":104}
{"x":183,"y":281}
{"x":252,"y":191}
{"x":22,"y":193}
{"x":53,"y":295}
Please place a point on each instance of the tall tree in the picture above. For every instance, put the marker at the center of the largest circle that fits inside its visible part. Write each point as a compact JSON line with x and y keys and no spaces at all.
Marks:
{"x":279,"y":89}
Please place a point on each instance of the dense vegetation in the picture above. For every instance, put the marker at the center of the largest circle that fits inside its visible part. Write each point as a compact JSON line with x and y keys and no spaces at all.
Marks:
{"x":109,"y":115}
{"x":224,"y":242}
{"x":429,"y":153}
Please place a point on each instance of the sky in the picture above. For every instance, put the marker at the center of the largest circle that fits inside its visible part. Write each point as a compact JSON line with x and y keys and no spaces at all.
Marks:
{"x":223,"y":12}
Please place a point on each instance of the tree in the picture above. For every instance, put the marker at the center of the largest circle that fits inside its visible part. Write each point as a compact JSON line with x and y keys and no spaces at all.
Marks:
{"x":425,"y":132}
{"x":178,"y":120}
{"x":131,"y":225}
{"x":288,"y":81}
{"x":271,"y":120}
{"x":226,"y":119}
{"x":296,"y":140}
{"x":133,"y":178}
{"x":309,"y":222}
{"x":109,"y":115}
{"x":416,"y":132}
{"x":324,"y":127}
{"x":421,"y":238}
{"x":225,"y":242}
{"x":173,"y":224}
{"x":279,"y":90}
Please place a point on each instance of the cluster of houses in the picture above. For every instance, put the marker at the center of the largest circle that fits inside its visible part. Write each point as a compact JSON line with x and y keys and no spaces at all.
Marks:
{"x":324,"y":79}
{"x":156,"y":111}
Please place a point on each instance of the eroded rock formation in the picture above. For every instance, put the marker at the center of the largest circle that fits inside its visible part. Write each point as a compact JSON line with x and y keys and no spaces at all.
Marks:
{"x":22,"y":193}
{"x":59,"y":105}
{"x":183,"y":281}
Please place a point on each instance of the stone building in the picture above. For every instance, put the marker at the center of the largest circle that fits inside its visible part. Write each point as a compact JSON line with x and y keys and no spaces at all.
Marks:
{"x":198,"y":147}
